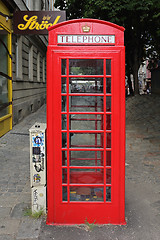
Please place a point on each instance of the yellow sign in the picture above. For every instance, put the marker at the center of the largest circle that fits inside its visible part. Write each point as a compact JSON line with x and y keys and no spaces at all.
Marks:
{"x":36,"y":22}
{"x":31,"y":23}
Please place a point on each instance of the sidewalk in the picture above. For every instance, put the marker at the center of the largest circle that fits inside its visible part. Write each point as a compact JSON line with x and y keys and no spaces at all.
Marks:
{"x":15,"y":192}
{"x":142,"y":181}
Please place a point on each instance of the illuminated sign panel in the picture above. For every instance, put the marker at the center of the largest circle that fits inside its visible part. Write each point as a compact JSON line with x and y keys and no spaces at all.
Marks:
{"x":86,"y":39}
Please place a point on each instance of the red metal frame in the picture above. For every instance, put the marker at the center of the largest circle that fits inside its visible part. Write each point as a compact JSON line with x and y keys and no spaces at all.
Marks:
{"x":112,"y":176}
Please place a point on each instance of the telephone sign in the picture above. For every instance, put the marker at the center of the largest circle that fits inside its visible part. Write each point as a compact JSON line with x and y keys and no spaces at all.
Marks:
{"x":86,"y":123}
{"x":89,"y":39}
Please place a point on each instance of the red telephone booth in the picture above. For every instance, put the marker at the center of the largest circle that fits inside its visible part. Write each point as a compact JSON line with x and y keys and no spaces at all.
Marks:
{"x":86,"y":123}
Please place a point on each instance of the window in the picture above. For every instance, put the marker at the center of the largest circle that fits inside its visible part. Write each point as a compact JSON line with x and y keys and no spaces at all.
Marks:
{"x":44,"y":69}
{"x":38,"y":67}
{"x":31,"y":63}
{"x":19,"y":58}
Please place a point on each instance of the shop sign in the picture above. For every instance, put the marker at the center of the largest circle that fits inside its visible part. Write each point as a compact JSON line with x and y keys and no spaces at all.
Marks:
{"x":36,"y":22}
{"x":86,"y":39}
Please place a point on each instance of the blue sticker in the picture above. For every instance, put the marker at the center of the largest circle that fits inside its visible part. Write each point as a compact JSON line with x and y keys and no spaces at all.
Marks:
{"x":38,"y":140}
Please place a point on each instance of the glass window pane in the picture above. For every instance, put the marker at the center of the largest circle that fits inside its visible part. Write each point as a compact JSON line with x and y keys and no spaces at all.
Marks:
{"x":86,"y":66}
{"x":64,"y":175}
{"x":86,"y":104}
{"x":108,"y":176}
{"x":63,"y":85}
{"x":108,"y":194}
{"x":86,"y":176}
{"x":63,"y":67}
{"x":86,"y":194}
{"x":86,"y":122}
{"x":64,"y":140}
{"x":108,"y":66}
{"x":64,"y":158}
{"x":86,"y":85}
{"x":108,"y":104}
{"x":108,"y":122}
{"x":64,"y":103}
{"x":108,"y":140}
{"x":4,"y":54}
{"x":64,"y":121}
{"x":86,"y":158}
{"x":88,"y":140}
{"x":108,"y":158}
{"x":108,"y":85}
{"x":4,"y":110}
{"x":3,"y":96}
{"x":64,"y":193}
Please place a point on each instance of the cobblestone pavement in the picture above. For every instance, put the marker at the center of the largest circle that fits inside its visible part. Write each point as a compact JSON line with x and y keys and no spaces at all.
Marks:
{"x":15,"y":192}
{"x":143,"y":138}
{"x":142,"y":181}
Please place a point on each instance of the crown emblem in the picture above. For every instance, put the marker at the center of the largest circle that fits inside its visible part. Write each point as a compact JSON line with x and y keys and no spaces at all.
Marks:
{"x":46,"y":18}
{"x":86,"y":28}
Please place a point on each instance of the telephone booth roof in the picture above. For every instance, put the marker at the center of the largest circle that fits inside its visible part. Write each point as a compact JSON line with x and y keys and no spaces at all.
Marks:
{"x":79,"y":26}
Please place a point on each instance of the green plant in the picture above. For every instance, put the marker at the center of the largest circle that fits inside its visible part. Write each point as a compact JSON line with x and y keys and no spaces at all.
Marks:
{"x":90,"y":226}
{"x":28,"y":212}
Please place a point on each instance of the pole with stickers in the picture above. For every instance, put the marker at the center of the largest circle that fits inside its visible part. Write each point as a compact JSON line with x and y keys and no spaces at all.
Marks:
{"x":38,"y":166}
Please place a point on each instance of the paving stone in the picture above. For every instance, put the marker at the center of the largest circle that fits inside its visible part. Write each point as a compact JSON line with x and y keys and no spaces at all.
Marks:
{"x":8,"y":226}
{"x":8,"y":202}
{"x":29,"y":229}
{"x":5,"y":212}
{"x":19,"y":210}
{"x":7,"y":237}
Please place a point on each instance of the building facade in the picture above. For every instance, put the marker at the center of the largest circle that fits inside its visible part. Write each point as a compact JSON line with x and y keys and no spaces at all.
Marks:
{"x":22,"y":65}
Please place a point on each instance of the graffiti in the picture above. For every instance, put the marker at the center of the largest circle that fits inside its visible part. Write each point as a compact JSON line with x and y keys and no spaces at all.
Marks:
{"x":36,"y":178}
{"x":35,"y":197}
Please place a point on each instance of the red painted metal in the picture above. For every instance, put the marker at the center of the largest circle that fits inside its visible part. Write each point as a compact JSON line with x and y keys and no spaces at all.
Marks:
{"x":96,"y":191}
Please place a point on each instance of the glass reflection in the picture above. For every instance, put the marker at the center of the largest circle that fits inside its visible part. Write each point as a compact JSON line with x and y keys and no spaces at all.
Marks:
{"x":88,"y":140}
{"x":86,"y":104}
{"x":63,"y":85}
{"x":108,"y":194}
{"x":108,"y":85}
{"x":64,"y":103}
{"x":108,"y":158}
{"x":4,"y":103}
{"x":108,"y":122}
{"x":64,"y":158}
{"x":64,"y":175}
{"x":108,"y":66}
{"x":108,"y":104}
{"x":64,"y":121}
{"x":64,"y":193}
{"x":86,"y":176}
{"x":86,"y":66}
{"x":108,"y":176}
{"x":86,"y":194}
{"x":108,"y":140}
{"x":86,"y":158}
{"x":64,"y":140}
{"x":63,"y":66}
{"x":86,"y":122}
{"x":86,"y":85}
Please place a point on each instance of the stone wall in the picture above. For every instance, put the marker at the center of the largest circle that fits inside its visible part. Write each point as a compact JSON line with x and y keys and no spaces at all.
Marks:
{"x":29,"y":76}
